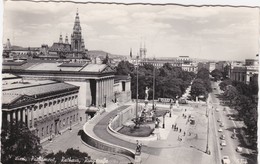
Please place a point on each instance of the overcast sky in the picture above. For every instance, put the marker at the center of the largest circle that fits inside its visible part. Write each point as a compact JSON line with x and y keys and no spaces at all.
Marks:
{"x":221,"y":33}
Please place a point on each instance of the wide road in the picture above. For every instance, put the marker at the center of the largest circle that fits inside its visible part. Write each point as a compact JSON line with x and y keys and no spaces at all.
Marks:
{"x":221,"y":115}
{"x":100,"y":129}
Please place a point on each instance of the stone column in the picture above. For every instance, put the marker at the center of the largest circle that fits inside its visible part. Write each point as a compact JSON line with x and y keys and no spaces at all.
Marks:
{"x":76,"y":100}
{"x":18,"y":114}
{"x":52,"y":106}
{"x":23,"y":111}
{"x":100,"y":93}
{"x":13,"y":113}
{"x":32,"y":116}
{"x":27,"y":113}
{"x":8,"y":116}
{"x":47,"y":108}
{"x":42,"y":109}
{"x":97,"y":92}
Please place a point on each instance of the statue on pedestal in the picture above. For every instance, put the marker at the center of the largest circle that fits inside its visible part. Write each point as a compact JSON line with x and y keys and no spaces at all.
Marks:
{"x":138,"y":147}
{"x":146,"y":93}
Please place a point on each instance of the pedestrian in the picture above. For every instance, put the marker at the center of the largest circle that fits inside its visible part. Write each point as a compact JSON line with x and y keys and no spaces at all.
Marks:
{"x":185,"y":110}
{"x":172,"y":126}
{"x":180,"y":129}
{"x":184,"y":133}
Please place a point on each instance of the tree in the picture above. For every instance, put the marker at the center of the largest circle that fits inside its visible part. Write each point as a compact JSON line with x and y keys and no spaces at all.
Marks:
{"x":198,"y":89}
{"x":216,"y":73}
{"x":203,"y":73}
{"x":125,"y":68}
{"x":225,"y":71}
{"x":18,"y":141}
{"x":70,"y":153}
{"x":242,"y":88}
{"x":224,"y":84}
{"x":231,"y":93}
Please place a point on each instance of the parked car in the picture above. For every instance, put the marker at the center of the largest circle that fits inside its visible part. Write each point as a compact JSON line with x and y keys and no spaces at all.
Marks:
{"x":223,"y":143}
{"x":221,"y":124}
{"x":220,"y":130}
{"x":219,"y":120}
{"x":231,"y":118}
{"x":222,"y":137}
{"x":239,"y":149}
{"x":225,"y":160}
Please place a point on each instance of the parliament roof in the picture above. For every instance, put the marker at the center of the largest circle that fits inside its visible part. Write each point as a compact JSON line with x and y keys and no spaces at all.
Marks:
{"x":94,"y":68}
{"x":9,"y":96}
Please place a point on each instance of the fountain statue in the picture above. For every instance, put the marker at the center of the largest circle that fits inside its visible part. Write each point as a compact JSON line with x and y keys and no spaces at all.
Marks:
{"x":146,"y":93}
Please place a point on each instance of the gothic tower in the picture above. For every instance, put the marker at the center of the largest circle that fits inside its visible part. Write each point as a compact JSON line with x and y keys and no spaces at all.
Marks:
{"x":77,"y":43}
{"x":60,"y":40}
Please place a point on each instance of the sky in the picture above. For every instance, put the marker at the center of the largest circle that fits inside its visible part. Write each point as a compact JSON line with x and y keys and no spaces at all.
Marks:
{"x":218,"y":33}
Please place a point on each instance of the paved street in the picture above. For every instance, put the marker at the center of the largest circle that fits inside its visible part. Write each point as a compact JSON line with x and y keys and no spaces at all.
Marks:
{"x":71,"y":139}
{"x":228,"y":130}
{"x":172,"y":146}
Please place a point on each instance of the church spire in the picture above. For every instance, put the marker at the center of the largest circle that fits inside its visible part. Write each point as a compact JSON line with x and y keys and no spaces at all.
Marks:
{"x":60,"y":40}
{"x":66,"y":39}
{"x":77,"y":27}
{"x":77,"y":42}
{"x":131,"y":55}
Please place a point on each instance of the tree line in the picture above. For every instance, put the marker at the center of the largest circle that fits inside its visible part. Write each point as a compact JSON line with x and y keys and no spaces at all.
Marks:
{"x":170,"y":81}
{"x":201,"y":86}
{"x":243,"y":98}
{"x":18,"y":143}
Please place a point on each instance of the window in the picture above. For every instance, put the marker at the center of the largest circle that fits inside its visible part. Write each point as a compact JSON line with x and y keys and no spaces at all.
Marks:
{"x":123,"y":85}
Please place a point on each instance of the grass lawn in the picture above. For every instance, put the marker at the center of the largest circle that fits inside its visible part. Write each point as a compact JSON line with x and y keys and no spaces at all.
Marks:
{"x":160,"y":113}
{"x":142,"y":131}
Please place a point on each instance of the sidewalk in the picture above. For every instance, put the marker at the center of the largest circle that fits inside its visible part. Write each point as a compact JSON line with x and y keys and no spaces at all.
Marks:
{"x":71,"y":139}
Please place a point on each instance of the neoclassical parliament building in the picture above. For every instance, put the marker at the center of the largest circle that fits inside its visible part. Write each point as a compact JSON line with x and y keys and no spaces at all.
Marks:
{"x":51,"y":96}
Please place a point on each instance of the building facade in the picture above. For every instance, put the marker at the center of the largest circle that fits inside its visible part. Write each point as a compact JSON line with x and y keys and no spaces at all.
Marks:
{"x":245,"y":72}
{"x":47,"y":107}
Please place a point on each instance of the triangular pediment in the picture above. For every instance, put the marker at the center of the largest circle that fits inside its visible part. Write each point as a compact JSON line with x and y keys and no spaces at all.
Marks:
{"x":23,"y":99}
{"x":108,"y":69}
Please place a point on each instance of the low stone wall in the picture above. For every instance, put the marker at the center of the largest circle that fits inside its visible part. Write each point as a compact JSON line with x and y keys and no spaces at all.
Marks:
{"x":102,"y":145}
{"x":120,"y":119}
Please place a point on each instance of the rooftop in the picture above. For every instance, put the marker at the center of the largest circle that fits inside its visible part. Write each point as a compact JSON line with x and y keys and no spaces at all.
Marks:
{"x":32,"y":90}
{"x":94,"y":68}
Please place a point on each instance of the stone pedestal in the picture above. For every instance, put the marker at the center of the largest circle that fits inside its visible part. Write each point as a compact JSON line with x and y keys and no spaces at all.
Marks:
{"x":145,"y":103}
{"x":138,"y":159}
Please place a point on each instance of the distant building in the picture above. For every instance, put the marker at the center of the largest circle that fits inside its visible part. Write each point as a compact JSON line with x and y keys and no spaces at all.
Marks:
{"x":59,"y":50}
{"x":47,"y":107}
{"x":183,"y":62}
{"x":244,"y":72}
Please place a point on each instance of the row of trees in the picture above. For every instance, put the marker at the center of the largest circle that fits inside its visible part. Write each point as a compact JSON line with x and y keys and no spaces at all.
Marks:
{"x":17,"y":141}
{"x":243,"y":98}
{"x":201,"y":86}
{"x":218,"y":74}
{"x":170,"y":82}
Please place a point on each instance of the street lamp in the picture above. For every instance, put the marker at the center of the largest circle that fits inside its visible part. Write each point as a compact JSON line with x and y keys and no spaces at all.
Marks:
{"x":163,"y":125}
{"x":105,"y":105}
{"x":207,"y":146}
{"x":51,"y":135}
{"x":136,"y":112}
{"x":153,"y":84}
{"x":70,"y":124}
